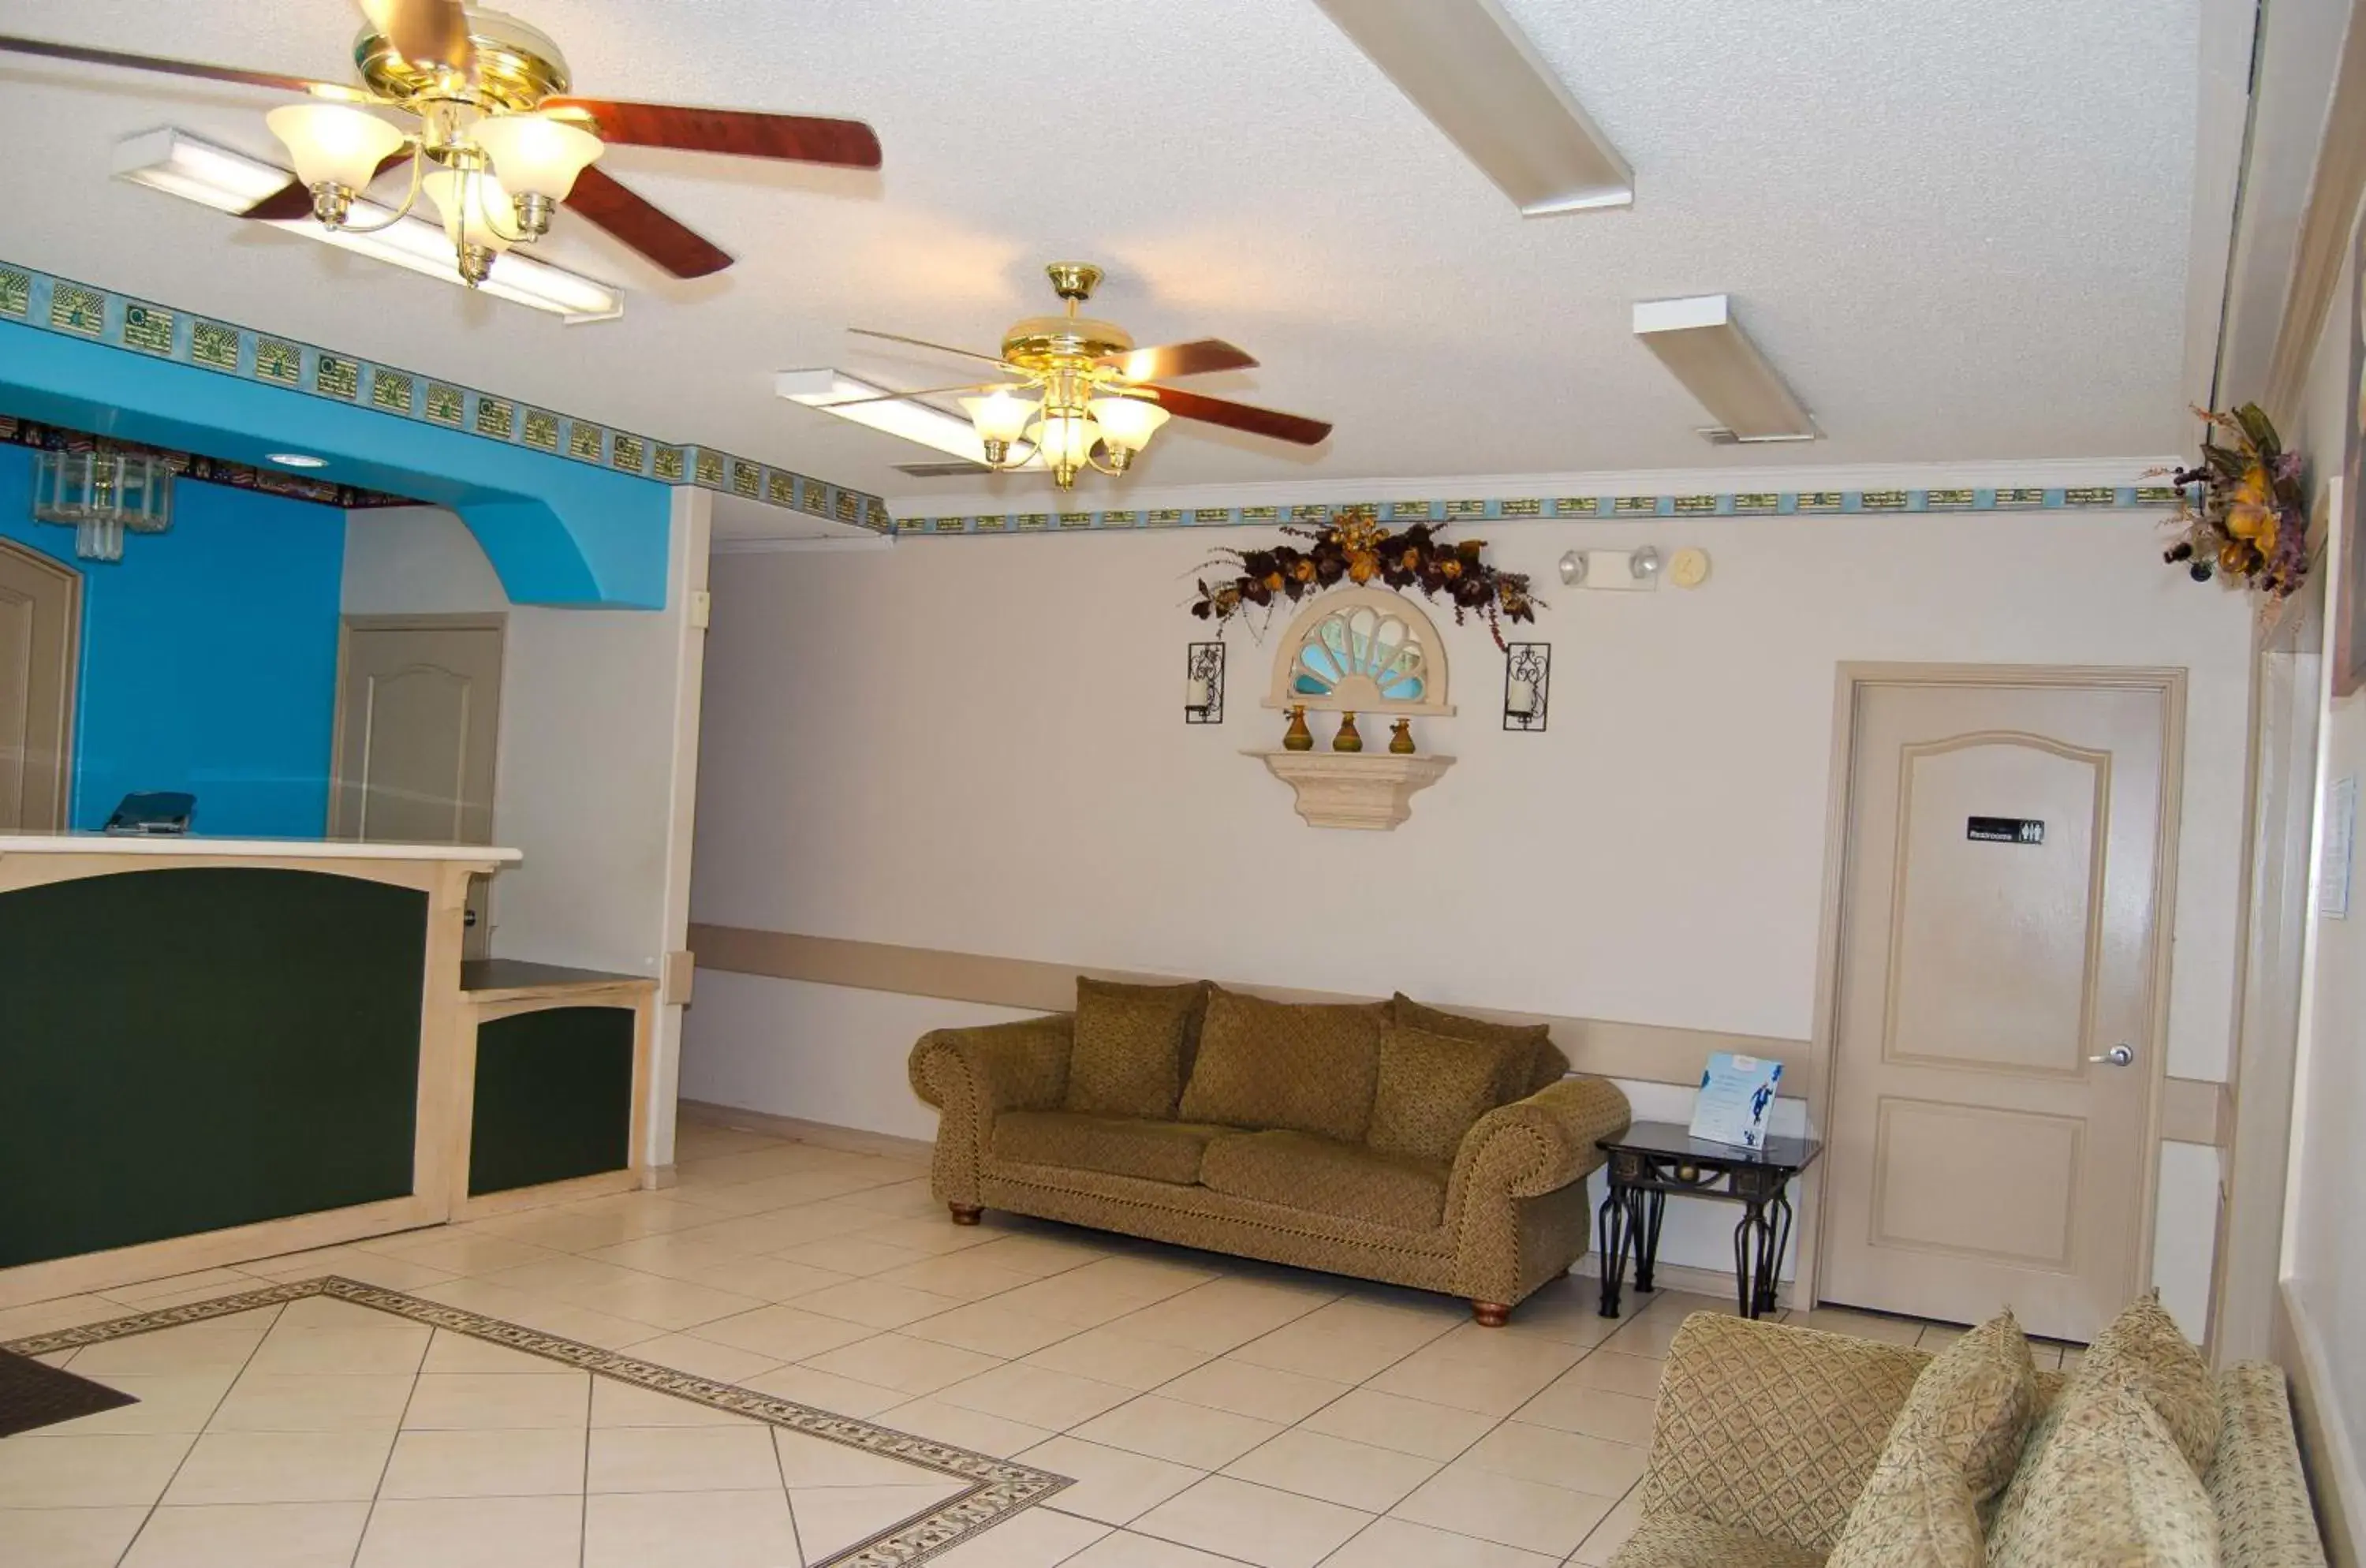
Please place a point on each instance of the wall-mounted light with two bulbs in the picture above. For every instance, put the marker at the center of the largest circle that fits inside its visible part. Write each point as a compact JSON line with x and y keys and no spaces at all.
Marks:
{"x":1628,"y":571}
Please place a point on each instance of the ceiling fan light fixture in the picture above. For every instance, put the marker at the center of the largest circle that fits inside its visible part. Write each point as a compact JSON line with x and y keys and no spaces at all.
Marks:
{"x":336,"y":150}
{"x":1127,"y":423}
{"x":1066,"y":438}
{"x":1001,"y":418}
{"x":537,"y":160}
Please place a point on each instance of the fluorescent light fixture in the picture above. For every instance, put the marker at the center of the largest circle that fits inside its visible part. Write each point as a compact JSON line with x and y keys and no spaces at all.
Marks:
{"x":296,"y":459}
{"x":1467,"y":65}
{"x":180,"y":165}
{"x":1700,"y":341}
{"x":829,"y":391}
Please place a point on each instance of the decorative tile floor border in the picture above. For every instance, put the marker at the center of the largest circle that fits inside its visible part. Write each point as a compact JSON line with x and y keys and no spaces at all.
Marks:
{"x":34,"y":299}
{"x":1597,"y":508}
{"x":997,"y":1488}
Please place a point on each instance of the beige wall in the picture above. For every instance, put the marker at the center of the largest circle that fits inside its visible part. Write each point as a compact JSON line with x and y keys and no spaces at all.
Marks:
{"x":975,"y":745}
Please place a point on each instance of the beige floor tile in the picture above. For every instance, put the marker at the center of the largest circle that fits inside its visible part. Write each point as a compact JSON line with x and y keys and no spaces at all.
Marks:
{"x":1254,"y":1524}
{"x":963,"y":1428}
{"x":1653,"y":1333}
{"x":911,"y":1366}
{"x":1559,"y":1458}
{"x":368,"y":1267}
{"x":1498,"y":1350}
{"x":545,"y":1313}
{"x":1124,"y":1549}
{"x":1602,"y":1541}
{"x":71,"y":1538}
{"x":695,"y":1141}
{"x":1036,"y":1396}
{"x":852,"y":1255}
{"x":1166,"y":1429}
{"x":389,"y":1346}
{"x":1337,"y":1469}
{"x":62,"y":1312}
{"x":993,"y":1328}
{"x":931,"y":1235}
{"x":964,"y":1276}
{"x":493,"y":1462}
{"x":681,"y":1458}
{"x":1504,"y":1509}
{"x":218,"y":1342}
{"x":787,"y":1332}
{"x":313,"y":1401}
{"x":1077,"y":1298}
{"x":1404,"y":1425}
{"x":256,"y":1535}
{"x":1400,"y":1543}
{"x":89,"y":1472}
{"x":1468,"y":1385}
{"x":1108,"y":1356}
{"x":1636,"y":1376}
{"x":450,"y":1352}
{"x":1266,"y":1392}
{"x":1112,"y":1485}
{"x":474,"y":1532}
{"x":281,"y":1467}
{"x":695,"y":1529}
{"x":1939,"y":1335}
{"x":905,"y":1199}
{"x":1221,"y":1315}
{"x":825,"y":1390}
{"x":1596,"y":1411}
{"x":458,"y":1252}
{"x":1316,"y":1352}
{"x":832,"y":1518}
{"x":875,"y":1304}
{"x":616,"y":1403}
{"x":808,"y":1461}
{"x":1862,"y":1324}
{"x":740,"y":1167}
{"x":492,"y":1401}
{"x":718,"y":1268}
{"x":174,"y":1289}
{"x":1040,"y":1257}
{"x":1569,"y":1310}
{"x":676,"y":1304}
{"x":780,"y":1191}
{"x":169,"y":1402}
{"x":1040,"y":1538}
{"x":649,"y":1213}
{"x":328,"y":1311}
{"x":704,"y":1357}
{"x":559,"y":1230}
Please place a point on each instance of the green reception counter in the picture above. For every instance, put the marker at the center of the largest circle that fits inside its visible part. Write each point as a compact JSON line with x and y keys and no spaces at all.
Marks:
{"x":213,"y":1051}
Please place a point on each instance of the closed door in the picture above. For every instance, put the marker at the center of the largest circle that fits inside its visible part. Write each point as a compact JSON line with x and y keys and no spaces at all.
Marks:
{"x":40,"y":612}
{"x":1996,"y":1026}
{"x":418,"y":729}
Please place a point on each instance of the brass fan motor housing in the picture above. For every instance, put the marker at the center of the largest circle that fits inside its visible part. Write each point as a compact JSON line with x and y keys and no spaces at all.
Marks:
{"x":517,"y":66}
{"x":1054,"y":343}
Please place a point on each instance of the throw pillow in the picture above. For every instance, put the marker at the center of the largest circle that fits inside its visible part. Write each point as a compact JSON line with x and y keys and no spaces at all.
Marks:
{"x":1973,"y":1404}
{"x":1294,"y":1066}
{"x":1432,"y":1088}
{"x":2109,"y":1488}
{"x":2169,"y":1371}
{"x":1129,"y":1045}
{"x":1915,"y":1511}
{"x":1520,"y":1044}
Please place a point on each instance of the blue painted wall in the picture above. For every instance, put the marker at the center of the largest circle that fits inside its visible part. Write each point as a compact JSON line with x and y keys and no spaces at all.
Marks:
{"x":209,"y":656}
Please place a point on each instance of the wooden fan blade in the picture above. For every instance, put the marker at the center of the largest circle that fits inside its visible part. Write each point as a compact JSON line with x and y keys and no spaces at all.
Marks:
{"x":1242,"y":416}
{"x":599,"y":198}
{"x":294,"y":199}
{"x":425,"y":32}
{"x":1194,"y":358}
{"x":923,"y":343}
{"x":203,"y":72}
{"x":743,"y":133}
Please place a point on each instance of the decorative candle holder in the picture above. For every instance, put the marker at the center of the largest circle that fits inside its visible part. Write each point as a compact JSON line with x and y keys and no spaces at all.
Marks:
{"x":1401,"y":738}
{"x":1203,"y":683}
{"x":1297,"y":738}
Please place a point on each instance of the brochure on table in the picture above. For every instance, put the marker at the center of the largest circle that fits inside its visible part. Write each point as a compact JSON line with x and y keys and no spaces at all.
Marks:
{"x":1737,"y":1095}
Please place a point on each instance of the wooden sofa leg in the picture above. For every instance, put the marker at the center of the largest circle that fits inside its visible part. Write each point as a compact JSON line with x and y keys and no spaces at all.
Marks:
{"x":1490,"y":1315}
{"x":966,"y":1214}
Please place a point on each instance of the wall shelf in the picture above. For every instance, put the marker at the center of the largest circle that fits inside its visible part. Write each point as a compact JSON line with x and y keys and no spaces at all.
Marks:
{"x":1355,"y":789}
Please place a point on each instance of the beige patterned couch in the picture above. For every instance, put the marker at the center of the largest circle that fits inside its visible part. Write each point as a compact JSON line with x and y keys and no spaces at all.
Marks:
{"x":1358,"y":1140}
{"x":1767,"y":1436}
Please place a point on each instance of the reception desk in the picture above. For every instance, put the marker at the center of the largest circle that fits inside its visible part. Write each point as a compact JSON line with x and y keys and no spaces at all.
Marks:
{"x":218,"y":1050}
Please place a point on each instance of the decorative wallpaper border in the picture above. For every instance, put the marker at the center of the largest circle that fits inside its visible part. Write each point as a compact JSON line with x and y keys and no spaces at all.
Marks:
{"x":1595,"y":508}
{"x":196,"y":466}
{"x":998,"y":1488}
{"x":74,"y":310}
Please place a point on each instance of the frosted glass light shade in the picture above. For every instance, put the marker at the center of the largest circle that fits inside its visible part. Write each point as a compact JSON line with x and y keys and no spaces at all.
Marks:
{"x":1065,"y":439}
{"x":1128,"y":423}
{"x":333,"y":145}
{"x":1000,"y":415}
{"x":535,"y":157}
{"x":474,"y":206}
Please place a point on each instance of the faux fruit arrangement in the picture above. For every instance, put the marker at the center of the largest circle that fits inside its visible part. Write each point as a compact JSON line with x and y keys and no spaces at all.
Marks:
{"x":2250,"y":522}
{"x":1353,"y":548}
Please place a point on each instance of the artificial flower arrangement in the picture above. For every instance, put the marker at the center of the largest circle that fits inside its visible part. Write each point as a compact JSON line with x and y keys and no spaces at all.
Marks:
{"x":2251,"y":521}
{"x":1353,"y":548}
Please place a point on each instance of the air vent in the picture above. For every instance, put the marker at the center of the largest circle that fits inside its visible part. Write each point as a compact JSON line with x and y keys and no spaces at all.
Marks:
{"x":942,"y":471}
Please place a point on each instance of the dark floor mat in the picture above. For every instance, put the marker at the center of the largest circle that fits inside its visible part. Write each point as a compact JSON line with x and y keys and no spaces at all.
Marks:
{"x":33,"y":1393}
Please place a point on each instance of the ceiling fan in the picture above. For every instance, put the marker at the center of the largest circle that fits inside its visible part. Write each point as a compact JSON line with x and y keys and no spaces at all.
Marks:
{"x":501,"y":142}
{"x":1076,"y":387}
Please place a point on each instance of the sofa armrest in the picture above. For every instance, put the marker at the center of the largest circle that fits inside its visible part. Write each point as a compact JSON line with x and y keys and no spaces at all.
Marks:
{"x":1770,"y":1429}
{"x":972,"y":1074}
{"x":2256,"y":1480}
{"x":1539,"y":1145}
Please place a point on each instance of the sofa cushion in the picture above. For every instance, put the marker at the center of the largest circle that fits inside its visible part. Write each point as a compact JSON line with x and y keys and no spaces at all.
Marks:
{"x":2107,"y":1485}
{"x":1328,"y":1177}
{"x":1131,"y":1046}
{"x":1686,"y":1540}
{"x":1915,"y":1511}
{"x":1521,"y":1045}
{"x":1293,"y":1066}
{"x":1433,"y":1088}
{"x":1153,"y":1149}
{"x":1974,"y":1405}
{"x":2167,"y":1369}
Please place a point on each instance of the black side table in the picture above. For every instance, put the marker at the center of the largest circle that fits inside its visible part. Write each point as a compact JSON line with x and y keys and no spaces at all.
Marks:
{"x":1651,"y":1159}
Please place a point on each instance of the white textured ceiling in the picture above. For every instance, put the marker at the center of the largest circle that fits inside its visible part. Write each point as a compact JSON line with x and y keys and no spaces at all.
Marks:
{"x":1960,"y":231}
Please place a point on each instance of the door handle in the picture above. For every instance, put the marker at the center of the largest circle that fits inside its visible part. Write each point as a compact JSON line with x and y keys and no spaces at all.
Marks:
{"x":2117,"y":1057}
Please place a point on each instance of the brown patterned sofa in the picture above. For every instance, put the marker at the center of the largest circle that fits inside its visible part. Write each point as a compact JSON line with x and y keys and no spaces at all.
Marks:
{"x":1387,"y":1140}
{"x":1783,"y":1448}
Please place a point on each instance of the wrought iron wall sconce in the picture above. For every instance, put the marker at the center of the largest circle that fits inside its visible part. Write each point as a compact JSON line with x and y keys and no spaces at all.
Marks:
{"x":1527,"y":677}
{"x":1203,"y":683}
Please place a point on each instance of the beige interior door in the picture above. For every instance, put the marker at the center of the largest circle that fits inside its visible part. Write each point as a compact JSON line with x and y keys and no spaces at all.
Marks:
{"x":40,"y":617}
{"x":418,"y":734}
{"x":1990,"y":1133}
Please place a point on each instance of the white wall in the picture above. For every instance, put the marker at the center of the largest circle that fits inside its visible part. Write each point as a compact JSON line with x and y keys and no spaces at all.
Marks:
{"x":597,"y":767}
{"x":976,"y":744}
